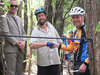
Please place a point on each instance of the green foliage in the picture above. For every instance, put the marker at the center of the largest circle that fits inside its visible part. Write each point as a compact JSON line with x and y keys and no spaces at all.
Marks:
{"x":29,"y":59}
{"x":58,"y":22}
{"x":6,"y":3}
{"x":68,"y":25}
{"x":1,"y":9}
{"x":68,"y":28}
{"x":98,"y":27}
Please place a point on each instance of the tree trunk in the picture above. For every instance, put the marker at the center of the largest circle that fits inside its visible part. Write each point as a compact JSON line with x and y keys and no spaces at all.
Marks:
{"x":81,"y":3}
{"x":97,"y":42}
{"x":30,"y":63}
{"x":48,"y":8}
{"x":58,"y":18}
{"x":2,"y":70}
{"x":91,"y":21}
{"x":26,"y":29}
{"x":19,"y":9}
{"x":58,"y":22}
{"x":32,"y":23}
{"x":30,"y":53}
{"x":25,"y":17}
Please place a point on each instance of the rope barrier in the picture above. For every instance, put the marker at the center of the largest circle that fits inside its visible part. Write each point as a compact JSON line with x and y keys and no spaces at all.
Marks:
{"x":88,"y":39}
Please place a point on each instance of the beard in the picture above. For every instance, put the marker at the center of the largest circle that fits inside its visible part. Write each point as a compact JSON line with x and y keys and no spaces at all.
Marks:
{"x":42,"y":23}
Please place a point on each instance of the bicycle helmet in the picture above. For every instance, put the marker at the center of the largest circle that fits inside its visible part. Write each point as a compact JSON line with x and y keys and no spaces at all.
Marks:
{"x":77,"y":11}
{"x":39,"y":10}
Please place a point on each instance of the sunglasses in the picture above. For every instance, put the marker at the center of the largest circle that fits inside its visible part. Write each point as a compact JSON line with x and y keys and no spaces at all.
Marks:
{"x":13,"y":6}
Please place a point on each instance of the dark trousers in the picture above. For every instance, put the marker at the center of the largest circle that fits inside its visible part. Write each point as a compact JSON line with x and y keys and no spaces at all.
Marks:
{"x":49,"y":70}
{"x":76,"y":67}
{"x":86,"y":73}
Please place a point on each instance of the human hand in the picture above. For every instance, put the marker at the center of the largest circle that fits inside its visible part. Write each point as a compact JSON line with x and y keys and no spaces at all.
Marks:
{"x":21,"y":45}
{"x":19,"y":42}
{"x":52,"y":44}
{"x":82,"y":68}
{"x":55,"y":44}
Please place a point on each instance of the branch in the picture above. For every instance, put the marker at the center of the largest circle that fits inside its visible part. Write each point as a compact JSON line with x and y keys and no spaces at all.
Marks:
{"x":68,"y":11}
{"x":59,"y":5}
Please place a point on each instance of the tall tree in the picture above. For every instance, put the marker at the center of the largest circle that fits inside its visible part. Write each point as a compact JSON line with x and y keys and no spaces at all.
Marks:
{"x":20,"y":9}
{"x":25,"y":27}
{"x":48,"y":8}
{"x":58,"y":21}
{"x":92,"y":18}
{"x":81,"y":3}
{"x":25,"y":16}
{"x":1,"y":40}
{"x":30,"y":53}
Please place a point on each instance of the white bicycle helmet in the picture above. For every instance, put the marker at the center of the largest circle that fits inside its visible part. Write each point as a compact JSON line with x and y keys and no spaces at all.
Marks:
{"x":77,"y":11}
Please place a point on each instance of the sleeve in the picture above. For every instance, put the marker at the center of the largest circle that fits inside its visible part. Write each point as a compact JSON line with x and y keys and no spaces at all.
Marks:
{"x":34,"y":40}
{"x":87,"y":61}
{"x":69,"y":47}
{"x":86,"y":58}
{"x":72,"y":46}
{"x":6,"y":31}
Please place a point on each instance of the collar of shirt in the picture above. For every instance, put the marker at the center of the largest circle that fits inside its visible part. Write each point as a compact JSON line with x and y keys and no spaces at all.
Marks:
{"x":10,"y":16}
{"x":48,"y":26}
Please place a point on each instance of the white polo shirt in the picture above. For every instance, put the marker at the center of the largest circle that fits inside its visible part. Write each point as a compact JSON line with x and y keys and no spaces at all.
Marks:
{"x":45,"y":55}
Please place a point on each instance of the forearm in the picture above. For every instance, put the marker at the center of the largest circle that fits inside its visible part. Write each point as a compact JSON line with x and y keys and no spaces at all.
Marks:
{"x":37,"y":45}
{"x":68,"y":48}
{"x":12,"y":40}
